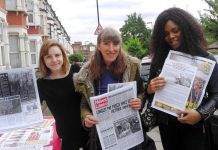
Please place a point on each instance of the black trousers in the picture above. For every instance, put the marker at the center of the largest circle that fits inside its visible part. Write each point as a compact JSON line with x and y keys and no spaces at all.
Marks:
{"x":69,"y":144}
{"x":177,"y":136}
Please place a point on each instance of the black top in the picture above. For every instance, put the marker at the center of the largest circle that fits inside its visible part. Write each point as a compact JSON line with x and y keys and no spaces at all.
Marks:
{"x":64,"y":104}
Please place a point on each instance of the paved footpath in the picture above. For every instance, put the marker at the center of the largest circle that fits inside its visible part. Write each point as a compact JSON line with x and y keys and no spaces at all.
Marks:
{"x":155,"y":135}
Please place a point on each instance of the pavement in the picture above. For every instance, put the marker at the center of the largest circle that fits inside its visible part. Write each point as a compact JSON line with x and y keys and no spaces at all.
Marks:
{"x":155,"y":135}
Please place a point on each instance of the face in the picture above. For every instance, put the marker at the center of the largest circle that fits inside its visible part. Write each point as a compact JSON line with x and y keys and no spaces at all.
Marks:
{"x":172,"y":34}
{"x":109,"y":51}
{"x":54,"y":59}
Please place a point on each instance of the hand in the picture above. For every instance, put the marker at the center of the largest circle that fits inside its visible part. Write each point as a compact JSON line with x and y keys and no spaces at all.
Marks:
{"x":189,"y":116}
{"x":135,"y":104}
{"x":156,"y":84}
{"x":89,"y":121}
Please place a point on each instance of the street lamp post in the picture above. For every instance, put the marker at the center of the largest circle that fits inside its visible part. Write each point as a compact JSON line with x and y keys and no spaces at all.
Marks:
{"x":99,"y":27}
{"x":97,"y":11}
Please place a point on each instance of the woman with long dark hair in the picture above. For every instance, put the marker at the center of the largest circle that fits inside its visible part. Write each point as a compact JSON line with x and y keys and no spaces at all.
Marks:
{"x":176,"y":29}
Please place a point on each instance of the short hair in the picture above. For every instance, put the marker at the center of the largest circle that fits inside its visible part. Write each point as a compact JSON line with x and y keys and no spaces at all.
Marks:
{"x":43,"y":69}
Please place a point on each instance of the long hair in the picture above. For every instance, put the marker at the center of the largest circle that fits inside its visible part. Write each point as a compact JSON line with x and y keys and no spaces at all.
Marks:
{"x":97,"y":64}
{"x":43,"y":69}
{"x":192,"y":37}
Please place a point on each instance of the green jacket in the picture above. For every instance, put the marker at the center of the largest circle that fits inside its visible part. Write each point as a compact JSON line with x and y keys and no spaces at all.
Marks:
{"x":85,"y":85}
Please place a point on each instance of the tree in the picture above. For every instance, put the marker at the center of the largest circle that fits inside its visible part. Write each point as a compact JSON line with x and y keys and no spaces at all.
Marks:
{"x":76,"y":58}
{"x":135,"y":27}
{"x":209,"y":20}
{"x":134,"y":47}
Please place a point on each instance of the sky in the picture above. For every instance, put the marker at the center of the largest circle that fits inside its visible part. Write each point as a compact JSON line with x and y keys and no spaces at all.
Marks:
{"x":79,"y":17}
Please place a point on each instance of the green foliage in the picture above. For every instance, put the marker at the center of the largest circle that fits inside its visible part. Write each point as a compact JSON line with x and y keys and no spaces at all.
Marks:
{"x":214,"y":51}
{"x":135,"y":27}
{"x":210,"y":40}
{"x":134,"y":47}
{"x":209,"y":20}
{"x":76,"y":58}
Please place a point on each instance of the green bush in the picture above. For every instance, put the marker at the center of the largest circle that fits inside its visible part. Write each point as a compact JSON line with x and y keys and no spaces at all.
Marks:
{"x":76,"y":58}
{"x":134,"y":47}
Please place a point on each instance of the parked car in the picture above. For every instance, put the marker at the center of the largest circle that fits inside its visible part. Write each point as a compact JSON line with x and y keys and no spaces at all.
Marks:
{"x":145,"y":69}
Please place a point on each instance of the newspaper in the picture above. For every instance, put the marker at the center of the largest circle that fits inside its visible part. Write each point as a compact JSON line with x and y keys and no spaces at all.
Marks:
{"x":119,"y":126}
{"x":28,"y":136}
{"x":48,"y":148}
{"x":114,"y":86}
{"x":27,"y":147}
{"x":187,"y":77}
{"x":179,"y":79}
{"x":204,"y":70}
{"x":19,"y":100}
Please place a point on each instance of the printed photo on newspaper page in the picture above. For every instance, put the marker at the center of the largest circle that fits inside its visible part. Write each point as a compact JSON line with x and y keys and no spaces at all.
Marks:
{"x":119,"y":126}
{"x":19,"y":101}
{"x":204,"y":70}
{"x":173,"y":97}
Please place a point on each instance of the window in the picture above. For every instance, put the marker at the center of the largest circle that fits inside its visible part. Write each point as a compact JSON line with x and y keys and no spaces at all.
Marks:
{"x":2,"y":56}
{"x":41,"y":20}
{"x":92,"y":48}
{"x":30,"y":7}
{"x":49,"y":29}
{"x":29,"y":4}
{"x":33,"y":51}
{"x":14,"y":51}
{"x":76,"y":48}
{"x":11,"y":4}
{"x":30,"y":17}
{"x":1,"y":31}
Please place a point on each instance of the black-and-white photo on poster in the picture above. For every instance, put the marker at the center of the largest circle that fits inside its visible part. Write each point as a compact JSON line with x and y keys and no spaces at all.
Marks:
{"x":19,"y":100}
{"x":127,"y":126}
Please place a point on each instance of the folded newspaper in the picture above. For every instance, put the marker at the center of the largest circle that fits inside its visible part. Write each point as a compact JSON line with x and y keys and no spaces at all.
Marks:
{"x":119,"y":126}
{"x":186,"y":80}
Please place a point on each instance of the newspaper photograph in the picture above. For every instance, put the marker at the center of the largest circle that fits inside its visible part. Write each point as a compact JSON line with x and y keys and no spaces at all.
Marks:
{"x":173,"y":97}
{"x":119,"y":126}
{"x":19,"y":100}
{"x":204,"y":70}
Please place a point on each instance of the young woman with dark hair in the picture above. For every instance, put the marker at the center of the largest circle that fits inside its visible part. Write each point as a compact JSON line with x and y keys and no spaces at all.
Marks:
{"x":176,"y":29}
